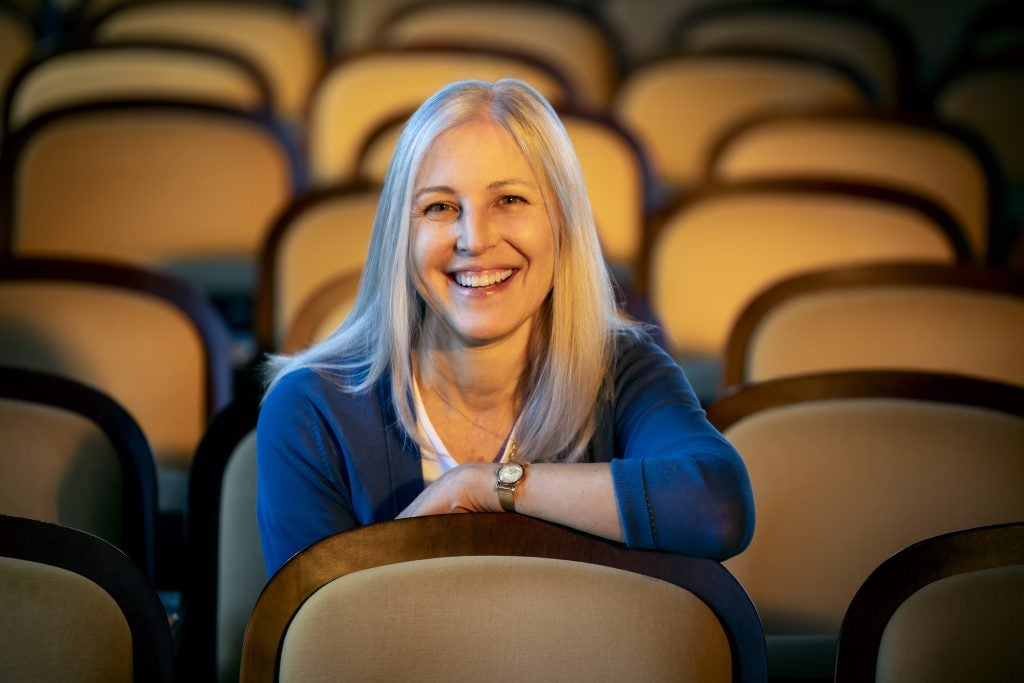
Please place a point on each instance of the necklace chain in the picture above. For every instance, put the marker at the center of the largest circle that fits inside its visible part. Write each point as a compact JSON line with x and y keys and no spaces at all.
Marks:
{"x":513,"y":445}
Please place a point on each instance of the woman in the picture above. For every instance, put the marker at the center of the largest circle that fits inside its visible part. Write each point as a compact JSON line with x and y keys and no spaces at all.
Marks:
{"x":485,"y":332}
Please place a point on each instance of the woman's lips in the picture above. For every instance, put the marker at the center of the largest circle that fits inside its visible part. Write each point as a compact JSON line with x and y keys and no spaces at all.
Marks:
{"x":481,"y":279}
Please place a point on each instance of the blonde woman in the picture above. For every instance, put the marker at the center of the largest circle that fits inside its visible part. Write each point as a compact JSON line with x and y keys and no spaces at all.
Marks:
{"x":485,"y":367}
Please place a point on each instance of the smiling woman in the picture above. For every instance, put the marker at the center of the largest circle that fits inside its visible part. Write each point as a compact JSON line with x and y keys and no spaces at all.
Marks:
{"x":484,"y":365}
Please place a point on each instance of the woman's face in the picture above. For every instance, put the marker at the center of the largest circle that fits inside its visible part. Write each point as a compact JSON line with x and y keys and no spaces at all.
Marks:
{"x":482,"y":243}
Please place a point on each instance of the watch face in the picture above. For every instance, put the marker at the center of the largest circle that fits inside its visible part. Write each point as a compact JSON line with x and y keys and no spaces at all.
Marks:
{"x":508,"y":474}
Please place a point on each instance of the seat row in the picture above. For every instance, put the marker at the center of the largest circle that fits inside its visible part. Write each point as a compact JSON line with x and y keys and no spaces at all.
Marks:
{"x":847,"y":470}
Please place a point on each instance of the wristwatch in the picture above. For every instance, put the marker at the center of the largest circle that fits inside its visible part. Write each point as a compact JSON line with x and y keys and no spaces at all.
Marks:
{"x":509,"y":476}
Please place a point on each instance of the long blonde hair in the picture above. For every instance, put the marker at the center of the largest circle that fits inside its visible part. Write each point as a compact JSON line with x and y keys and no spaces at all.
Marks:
{"x":572,"y":346}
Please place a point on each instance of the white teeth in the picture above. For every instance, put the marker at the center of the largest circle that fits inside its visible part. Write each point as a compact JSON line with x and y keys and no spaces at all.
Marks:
{"x":482,"y":279}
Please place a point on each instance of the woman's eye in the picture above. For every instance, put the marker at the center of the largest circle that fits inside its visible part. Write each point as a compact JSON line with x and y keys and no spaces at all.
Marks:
{"x":511,"y":199}
{"x":438,"y":208}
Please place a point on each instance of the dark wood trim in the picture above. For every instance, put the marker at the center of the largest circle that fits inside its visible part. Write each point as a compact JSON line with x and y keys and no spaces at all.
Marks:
{"x":207,"y":322}
{"x":807,"y":187}
{"x":740,"y":401}
{"x":111,"y":570}
{"x":908,"y":571}
{"x":490,"y":534}
{"x":250,"y":71}
{"x":266,"y":299}
{"x":197,"y":656}
{"x":138,"y":495}
{"x":965,"y":277}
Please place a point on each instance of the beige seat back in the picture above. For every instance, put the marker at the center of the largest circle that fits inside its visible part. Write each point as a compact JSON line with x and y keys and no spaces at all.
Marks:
{"x":136,"y":71}
{"x":682,"y":620}
{"x":661,"y":632}
{"x":281,"y":42}
{"x":912,"y":316}
{"x":614,"y":169}
{"x":322,"y":312}
{"x":72,"y":456}
{"x":319,"y":236}
{"x":74,"y":605}
{"x":938,"y":162}
{"x":848,"y":469}
{"x":391,"y":82}
{"x":179,"y":187}
{"x":677,"y":107}
{"x":943,"y":609}
{"x":162,"y":354}
{"x":720,"y":248}
{"x":570,"y":40}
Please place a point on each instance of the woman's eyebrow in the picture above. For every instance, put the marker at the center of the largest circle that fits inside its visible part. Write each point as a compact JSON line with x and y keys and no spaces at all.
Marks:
{"x":444,"y":189}
{"x":498,"y":184}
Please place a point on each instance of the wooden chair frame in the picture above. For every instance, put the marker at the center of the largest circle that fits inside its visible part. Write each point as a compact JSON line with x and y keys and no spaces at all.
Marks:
{"x":493,"y":534}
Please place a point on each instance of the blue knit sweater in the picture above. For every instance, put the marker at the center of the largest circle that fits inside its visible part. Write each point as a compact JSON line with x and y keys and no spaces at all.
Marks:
{"x":329,"y":461}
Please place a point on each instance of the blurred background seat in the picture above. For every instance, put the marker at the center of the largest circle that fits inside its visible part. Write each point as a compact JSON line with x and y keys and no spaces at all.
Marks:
{"x":941,"y":318}
{"x":657,"y":616}
{"x":186,"y":188}
{"x":118,"y":631}
{"x":224,"y":571}
{"x":152,"y":343}
{"x":678,"y":106}
{"x":847,"y":469}
{"x":944,"y":609}
{"x":714,"y":251}
{"x":573,"y":40}
{"x":73,"y":456}
{"x":944,"y":163}
{"x":321,"y":312}
{"x":279,"y":40}
{"x":134,"y":71}
{"x":866,"y":41}
{"x":321,"y":234}
{"x":362,"y":90}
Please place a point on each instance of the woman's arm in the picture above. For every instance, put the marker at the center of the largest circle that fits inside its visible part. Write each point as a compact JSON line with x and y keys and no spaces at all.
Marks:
{"x":676,"y":484}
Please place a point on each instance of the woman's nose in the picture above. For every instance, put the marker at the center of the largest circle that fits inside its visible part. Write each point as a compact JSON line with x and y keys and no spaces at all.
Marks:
{"x":477,"y":232}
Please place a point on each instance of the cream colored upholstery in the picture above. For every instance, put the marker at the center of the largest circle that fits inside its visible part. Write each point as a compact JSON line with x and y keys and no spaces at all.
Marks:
{"x":715,"y":253}
{"x":281,"y":42}
{"x":564,"y":37}
{"x":170,"y":187}
{"x":318,"y":238}
{"x":322,"y":312}
{"x":241,"y":575}
{"x":965,"y":627}
{"x":491,"y":596}
{"x":613,"y":170}
{"x":387,"y":83}
{"x":678,"y":107}
{"x":56,"y":624}
{"x":893,"y":323}
{"x":58,"y":466}
{"x":139,"y":71}
{"x":841,"y":483}
{"x":146,"y":352}
{"x":916,"y":158}
{"x":557,"y":620}
{"x":73,"y":607}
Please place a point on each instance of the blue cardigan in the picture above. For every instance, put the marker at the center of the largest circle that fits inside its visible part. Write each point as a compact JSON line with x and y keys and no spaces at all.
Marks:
{"x":329,"y":461}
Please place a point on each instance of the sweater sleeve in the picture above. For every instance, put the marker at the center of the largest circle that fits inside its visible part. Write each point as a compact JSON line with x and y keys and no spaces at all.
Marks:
{"x":301,"y":492}
{"x":679,"y":484}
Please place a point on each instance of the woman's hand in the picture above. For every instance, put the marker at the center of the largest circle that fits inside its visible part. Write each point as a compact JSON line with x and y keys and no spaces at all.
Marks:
{"x":466,"y":488}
